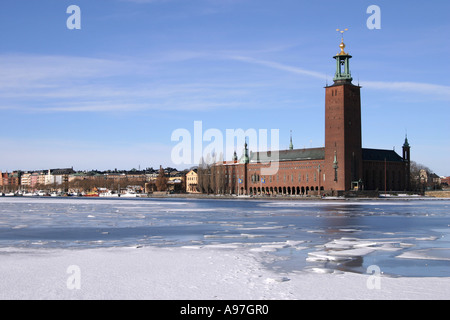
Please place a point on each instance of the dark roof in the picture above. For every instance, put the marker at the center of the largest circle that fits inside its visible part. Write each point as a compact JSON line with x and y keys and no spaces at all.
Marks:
{"x":319,"y":154}
{"x":288,"y":155}
{"x":62,"y":171}
{"x":380,"y":155}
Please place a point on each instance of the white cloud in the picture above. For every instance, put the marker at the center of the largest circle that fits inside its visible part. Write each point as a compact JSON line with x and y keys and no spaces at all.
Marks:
{"x":438,"y":91}
{"x":41,"y":71}
{"x":78,"y":84}
{"x":34,"y":83}
{"x":283,"y":67}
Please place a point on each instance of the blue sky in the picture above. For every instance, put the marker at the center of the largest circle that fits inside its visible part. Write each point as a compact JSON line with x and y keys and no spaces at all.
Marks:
{"x":111,"y":94}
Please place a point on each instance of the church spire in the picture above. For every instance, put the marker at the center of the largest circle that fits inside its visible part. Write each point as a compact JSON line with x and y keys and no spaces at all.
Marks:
{"x":406,"y":143}
{"x":245,"y":158}
{"x":291,"y":146}
{"x":407,"y":160}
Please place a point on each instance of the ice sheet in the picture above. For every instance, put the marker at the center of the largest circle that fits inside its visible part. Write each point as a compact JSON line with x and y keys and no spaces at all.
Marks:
{"x":205,"y":273}
{"x":427,"y":254}
{"x":305,"y":231}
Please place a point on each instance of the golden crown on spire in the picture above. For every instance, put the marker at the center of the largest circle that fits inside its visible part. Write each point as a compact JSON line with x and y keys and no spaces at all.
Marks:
{"x":342,"y":45}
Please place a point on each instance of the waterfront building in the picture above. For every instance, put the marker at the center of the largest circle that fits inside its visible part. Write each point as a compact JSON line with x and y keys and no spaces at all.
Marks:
{"x":192,"y":181}
{"x":341,"y":166}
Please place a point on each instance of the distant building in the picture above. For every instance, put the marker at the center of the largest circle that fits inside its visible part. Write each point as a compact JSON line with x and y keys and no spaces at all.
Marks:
{"x":10,"y":181}
{"x":4,"y":179}
{"x":192,"y":181}
{"x":49,"y":178}
{"x":25,"y":179}
{"x":41,"y":178}
{"x":175,"y":184}
{"x":34,"y":179}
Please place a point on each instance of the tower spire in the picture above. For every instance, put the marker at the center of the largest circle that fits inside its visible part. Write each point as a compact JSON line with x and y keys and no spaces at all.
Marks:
{"x":343,"y":74}
{"x":342,"y":45}
{"x":245,"y":158}
{"x":291,"y":146}
{"x":407,"y":161}
{"x":406,"y":143}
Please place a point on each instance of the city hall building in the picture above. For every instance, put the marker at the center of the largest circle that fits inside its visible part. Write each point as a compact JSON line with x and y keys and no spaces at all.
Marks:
{"x":342,"y":165}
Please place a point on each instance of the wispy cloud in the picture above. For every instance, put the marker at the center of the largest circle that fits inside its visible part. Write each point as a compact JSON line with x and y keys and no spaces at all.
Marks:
{"x":34,"y":83}
{"x":280,"y":66}
{"x":40,"y":72}
{"x":437,"y":91}
{"x":74,"y":84}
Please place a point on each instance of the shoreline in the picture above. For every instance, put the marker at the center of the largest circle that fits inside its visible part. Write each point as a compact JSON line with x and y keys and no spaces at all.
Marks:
{"x":249,"y":198}
{"x":289,"y":198}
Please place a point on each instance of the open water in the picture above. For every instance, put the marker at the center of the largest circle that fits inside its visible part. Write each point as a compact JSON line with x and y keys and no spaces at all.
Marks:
{"x":400,"y":237}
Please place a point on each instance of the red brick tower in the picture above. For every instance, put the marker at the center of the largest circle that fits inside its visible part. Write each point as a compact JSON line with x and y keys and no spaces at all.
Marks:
{"x":343,"y":147}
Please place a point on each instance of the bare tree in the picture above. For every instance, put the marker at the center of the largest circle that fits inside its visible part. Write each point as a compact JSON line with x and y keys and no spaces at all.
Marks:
{"x":421,"y":177}
{"x":204,"y":173}
{"x":161,"y":180}
{"x":221,"y":181}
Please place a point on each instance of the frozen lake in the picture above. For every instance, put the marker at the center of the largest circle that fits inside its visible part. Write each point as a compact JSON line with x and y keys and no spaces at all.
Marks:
{"x":401,"y":237}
